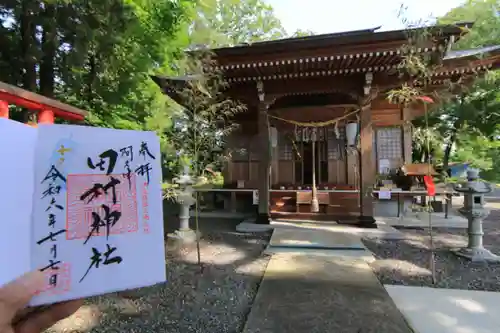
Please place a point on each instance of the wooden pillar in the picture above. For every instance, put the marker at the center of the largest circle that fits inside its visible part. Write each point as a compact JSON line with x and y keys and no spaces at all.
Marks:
{"x":352,"y":174}
{"x":367,"y":163}
{"x":46,"y":117}
{"x":263,"y":215}
{"x":275,"y":161}
{"x":4,"y":109}
{"x":367,"y":167}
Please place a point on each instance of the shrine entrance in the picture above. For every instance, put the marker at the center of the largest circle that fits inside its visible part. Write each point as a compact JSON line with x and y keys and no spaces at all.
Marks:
{"x":309,"y":139}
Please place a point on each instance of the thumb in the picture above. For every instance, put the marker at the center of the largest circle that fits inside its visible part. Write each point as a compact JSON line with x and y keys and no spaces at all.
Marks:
{"x":15,"y":295}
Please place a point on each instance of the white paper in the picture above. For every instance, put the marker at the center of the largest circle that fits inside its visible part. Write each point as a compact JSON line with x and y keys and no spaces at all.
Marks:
{"x":384,"y":195}
{"x":134,"y":240}
{"x":17,"y":149}
{"x":255,"y":197}
{"x":384,"y":166}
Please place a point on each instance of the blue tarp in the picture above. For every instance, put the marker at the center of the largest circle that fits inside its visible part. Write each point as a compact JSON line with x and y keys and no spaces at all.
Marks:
{"x":458,"y":170}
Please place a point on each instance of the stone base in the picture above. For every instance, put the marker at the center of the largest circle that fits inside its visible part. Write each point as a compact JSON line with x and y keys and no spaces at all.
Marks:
{"x":263,"y":218}
{"x":367,"y":222}
{"x":186,"y":235}
{"x":477,"y":255}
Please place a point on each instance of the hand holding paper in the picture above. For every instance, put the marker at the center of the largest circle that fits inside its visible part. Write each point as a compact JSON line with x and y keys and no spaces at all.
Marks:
{"x":95,"y":210}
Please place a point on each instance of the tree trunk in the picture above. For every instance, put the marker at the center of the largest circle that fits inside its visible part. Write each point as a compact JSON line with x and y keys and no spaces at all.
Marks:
{"x":453,"y":138}
{"x":447,"y":150}
{"x":49,"y":48}
{"x":91,"y":76}
{"x":28,"y":44}
{"x":29,"y":48}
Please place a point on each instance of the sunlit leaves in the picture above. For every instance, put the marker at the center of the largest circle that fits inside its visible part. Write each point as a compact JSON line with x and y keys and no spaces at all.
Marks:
{"x":234,"y":22}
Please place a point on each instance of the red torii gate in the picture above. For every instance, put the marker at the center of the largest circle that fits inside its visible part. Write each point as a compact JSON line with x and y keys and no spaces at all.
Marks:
{"x":47,"y":109}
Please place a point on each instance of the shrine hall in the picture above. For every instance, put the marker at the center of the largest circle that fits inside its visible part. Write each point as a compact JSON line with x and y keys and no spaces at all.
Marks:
{"x":329,"y":171}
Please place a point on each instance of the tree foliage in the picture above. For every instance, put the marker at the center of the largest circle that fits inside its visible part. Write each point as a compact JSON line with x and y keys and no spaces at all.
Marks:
{"x":206,"y":120}
{"x":233,"y":22}
{"x":99,"y":55}
{"x":484,"y":14}
{"x":469,"y":122}
{"x":463,"y":126}
{"x":93,"y":54}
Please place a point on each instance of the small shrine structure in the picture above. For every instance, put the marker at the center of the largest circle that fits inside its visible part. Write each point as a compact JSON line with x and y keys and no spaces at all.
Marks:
{"x":319,"y":127}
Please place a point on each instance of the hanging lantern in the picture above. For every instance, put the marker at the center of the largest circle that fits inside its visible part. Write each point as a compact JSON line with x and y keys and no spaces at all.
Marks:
{"x":273,"y":133}
{"x":351,"y":132}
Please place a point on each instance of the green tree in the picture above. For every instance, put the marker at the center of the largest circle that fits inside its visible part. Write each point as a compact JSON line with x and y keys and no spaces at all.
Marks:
{"x":468,"y":115}
{"x":486,"y":18}
{"x":93,"y":54}
{"x":234,"y":22}
{"x":470,"y":119}
{"x":214,"y":23}
{"x":476,"y":149}
{"x":96,"y":55}
{"x":205,"y":122}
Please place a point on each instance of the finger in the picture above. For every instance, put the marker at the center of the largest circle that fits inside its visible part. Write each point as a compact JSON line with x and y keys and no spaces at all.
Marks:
{"x":21,"y":314}
{"x":15,"y":295}
{"x":38,"y":322}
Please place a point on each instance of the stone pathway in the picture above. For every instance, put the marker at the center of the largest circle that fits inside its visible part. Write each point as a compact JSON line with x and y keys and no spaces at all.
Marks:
{"x":433,"y":310}
{"x":312,"y":293}
{"x":318,"y":281}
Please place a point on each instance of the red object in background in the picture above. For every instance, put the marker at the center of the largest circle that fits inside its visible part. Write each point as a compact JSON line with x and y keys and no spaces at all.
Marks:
{"x":4,"y":109}
{"x":46,"y":116}
{"x":429,"y":184}
{"x":425,"y":99}
{"x":47,"y":109}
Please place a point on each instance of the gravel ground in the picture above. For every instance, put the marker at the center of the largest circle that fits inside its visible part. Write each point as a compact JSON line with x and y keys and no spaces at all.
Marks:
{"x":217,"y":299}
{"x":407,"y":262}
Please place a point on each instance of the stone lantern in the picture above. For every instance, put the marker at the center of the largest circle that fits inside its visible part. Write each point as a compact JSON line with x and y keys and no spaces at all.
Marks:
{"x":186,"y":200}
{"x":475,"y":211}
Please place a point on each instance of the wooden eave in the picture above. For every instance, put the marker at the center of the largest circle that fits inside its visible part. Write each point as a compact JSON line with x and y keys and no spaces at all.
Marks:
{"x":33,"y":101}
{"x":467,"y":66}
{"x":365,"y":50}
{"x":345,"y":74}
{"x":171,"y":87}
{"x":368,"y":39}
{"x":472,"y":54}
{"x":347,"y":81}
{"x":472,"y":61}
